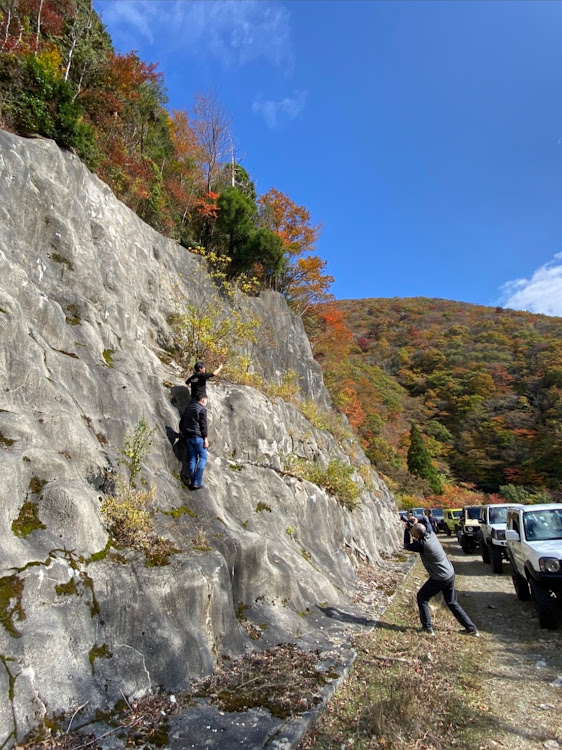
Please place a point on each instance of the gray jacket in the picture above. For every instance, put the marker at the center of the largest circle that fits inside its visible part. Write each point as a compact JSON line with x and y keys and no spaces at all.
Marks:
{"x":432,"y":554}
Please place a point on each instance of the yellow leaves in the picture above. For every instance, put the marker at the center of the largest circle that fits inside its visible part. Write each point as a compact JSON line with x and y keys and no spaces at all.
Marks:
{"x":211,"y":333}
{"x":51,"y":61}
{"x":127,"y":514}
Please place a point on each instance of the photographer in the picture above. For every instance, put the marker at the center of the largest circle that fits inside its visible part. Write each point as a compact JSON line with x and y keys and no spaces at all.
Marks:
{"x":441,"y":577}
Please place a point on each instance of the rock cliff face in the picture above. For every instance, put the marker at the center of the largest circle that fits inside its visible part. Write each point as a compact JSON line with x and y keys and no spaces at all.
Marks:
{"x":86,"y":290}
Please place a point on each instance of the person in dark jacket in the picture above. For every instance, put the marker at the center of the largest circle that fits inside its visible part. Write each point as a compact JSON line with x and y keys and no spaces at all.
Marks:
{"x":441,"y":577}
{"x":193,"y":428}
{"x":198,"y":381}
{"x":432,"y":520}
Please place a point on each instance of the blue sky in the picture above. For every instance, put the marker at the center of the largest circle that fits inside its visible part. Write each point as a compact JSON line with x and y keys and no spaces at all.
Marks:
{"x":426,"y":137}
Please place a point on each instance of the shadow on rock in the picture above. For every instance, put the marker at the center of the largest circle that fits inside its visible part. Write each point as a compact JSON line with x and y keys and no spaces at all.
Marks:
{"x":180,"y":399}
{"x":338,"y":614}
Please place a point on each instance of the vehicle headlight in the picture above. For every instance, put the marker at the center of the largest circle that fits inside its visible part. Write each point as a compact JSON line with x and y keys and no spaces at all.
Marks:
{"x":549,"y":564}
{"x":498,"y":534}
{"x":468,"y":528}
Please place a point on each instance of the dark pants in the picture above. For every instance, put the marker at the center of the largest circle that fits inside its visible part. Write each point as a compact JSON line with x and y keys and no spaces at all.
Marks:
{"x":432,"y":587}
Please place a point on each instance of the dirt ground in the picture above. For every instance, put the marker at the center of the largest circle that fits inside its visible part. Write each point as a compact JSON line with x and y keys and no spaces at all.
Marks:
{"x":409,"y":691}
{"x":521,"y":661}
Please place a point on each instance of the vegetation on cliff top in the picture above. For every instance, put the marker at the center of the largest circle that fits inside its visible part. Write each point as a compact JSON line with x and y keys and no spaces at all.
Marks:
{"x":61,"y":78}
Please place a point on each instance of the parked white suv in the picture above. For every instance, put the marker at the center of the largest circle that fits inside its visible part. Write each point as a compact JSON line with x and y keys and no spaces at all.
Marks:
{"x":534,"y":544}
{"x":493,"y":547}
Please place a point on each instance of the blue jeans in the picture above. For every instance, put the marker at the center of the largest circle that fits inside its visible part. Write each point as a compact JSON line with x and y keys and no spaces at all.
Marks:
{"x":197,"y":459}
{"x":432,"y":587}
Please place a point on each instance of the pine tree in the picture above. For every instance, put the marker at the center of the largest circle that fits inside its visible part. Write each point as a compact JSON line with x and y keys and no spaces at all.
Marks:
{"x":419,"y":460}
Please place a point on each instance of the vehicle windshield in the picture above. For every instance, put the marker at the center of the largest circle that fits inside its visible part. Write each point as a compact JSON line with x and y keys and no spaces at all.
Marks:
{"x":498,"y":515}
{"x":543,"y":525}
{"x":437,"y":512}
{"x":456,"y":513}
{"x":473,"y":513}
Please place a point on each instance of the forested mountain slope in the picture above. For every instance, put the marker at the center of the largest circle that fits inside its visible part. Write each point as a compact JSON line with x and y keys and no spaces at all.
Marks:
{"x":484,"y":384}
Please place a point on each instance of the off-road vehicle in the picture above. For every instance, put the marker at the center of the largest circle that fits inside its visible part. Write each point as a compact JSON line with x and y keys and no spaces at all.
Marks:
{"x":493,"y":547}
{"x":469,"y":533}
{"x":534,"y":545}
{"x":452,"y":519}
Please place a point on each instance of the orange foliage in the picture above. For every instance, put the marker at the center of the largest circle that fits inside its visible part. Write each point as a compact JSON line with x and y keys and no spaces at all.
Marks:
{"x":349,"y":403}
{"x":458,"y":496}
{"x":207,"y":207}
{"x":334,"y":338}
{"x":290,"y":222}
{"x":307,"y":285}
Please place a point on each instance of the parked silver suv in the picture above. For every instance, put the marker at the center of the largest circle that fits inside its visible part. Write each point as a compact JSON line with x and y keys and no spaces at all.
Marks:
{"x":493,"y":547}
{"x":534,"y":545}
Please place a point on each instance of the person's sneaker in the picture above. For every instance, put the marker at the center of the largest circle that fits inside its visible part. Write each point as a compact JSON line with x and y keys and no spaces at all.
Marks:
{"x":197,"y":486}
{"x":428,"y":631}
{"x":470,"y":631}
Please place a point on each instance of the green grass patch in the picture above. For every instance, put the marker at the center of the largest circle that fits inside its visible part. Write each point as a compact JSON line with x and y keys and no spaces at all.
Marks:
{"x":183,"y":510}
{"x":262,"y":506}
{"x":99,"y":652}
{"x":407,"y":690}
{"x":11,"y":593}
{"x":36,"y":485}
{"x":108,"y":356}
{"x":67,"y":589}
{"x":27,"y":520}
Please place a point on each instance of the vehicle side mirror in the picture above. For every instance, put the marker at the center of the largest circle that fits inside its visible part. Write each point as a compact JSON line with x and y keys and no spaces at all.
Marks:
{"x":511,"y":536}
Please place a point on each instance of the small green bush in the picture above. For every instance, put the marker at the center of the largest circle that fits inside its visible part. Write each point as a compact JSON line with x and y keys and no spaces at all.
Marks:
{"x":210,"y":334}
{"x":324,"y":419}
{"x":288,"y":389}
{"x":335,"y":479}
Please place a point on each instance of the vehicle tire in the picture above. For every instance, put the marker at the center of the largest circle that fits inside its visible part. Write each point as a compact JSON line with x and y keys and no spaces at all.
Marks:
{"x":484,"y":551}
{"x":466,"y":545}
{"x":447,"y":531}
{"x":521,"y":586}
{"x":545,"y":605}
{"x":496,"y":559}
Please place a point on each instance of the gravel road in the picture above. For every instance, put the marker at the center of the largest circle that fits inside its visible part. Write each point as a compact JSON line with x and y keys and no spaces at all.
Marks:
{"x":520,"y":660}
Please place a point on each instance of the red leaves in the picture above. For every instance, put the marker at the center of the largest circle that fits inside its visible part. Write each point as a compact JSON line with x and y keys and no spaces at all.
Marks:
{"x":206,"y":206}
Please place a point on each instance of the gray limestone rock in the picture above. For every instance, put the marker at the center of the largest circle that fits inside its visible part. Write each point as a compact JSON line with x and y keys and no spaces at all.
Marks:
{"x":86,"y":290}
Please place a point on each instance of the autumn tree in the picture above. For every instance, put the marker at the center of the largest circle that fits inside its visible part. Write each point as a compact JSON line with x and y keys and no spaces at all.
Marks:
{"x":303,"y":281}
{"x":289,"y":221}
{"x":212,"y":125}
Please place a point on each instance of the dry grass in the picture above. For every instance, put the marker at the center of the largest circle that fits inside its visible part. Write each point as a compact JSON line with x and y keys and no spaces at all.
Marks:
{"x":283,"y":679}
{"x":425,"y":695}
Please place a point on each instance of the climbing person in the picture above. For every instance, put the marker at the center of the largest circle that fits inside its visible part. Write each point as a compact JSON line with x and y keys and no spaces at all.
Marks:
{"x":441,"y":577}
{"x":198,"y":381}
{"x":193,"y":428}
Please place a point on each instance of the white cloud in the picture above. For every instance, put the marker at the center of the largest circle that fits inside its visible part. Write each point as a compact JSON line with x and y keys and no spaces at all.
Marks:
{"x":274,"y":112}
{"x":235,"y":32}
{"x":542,"y":293}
